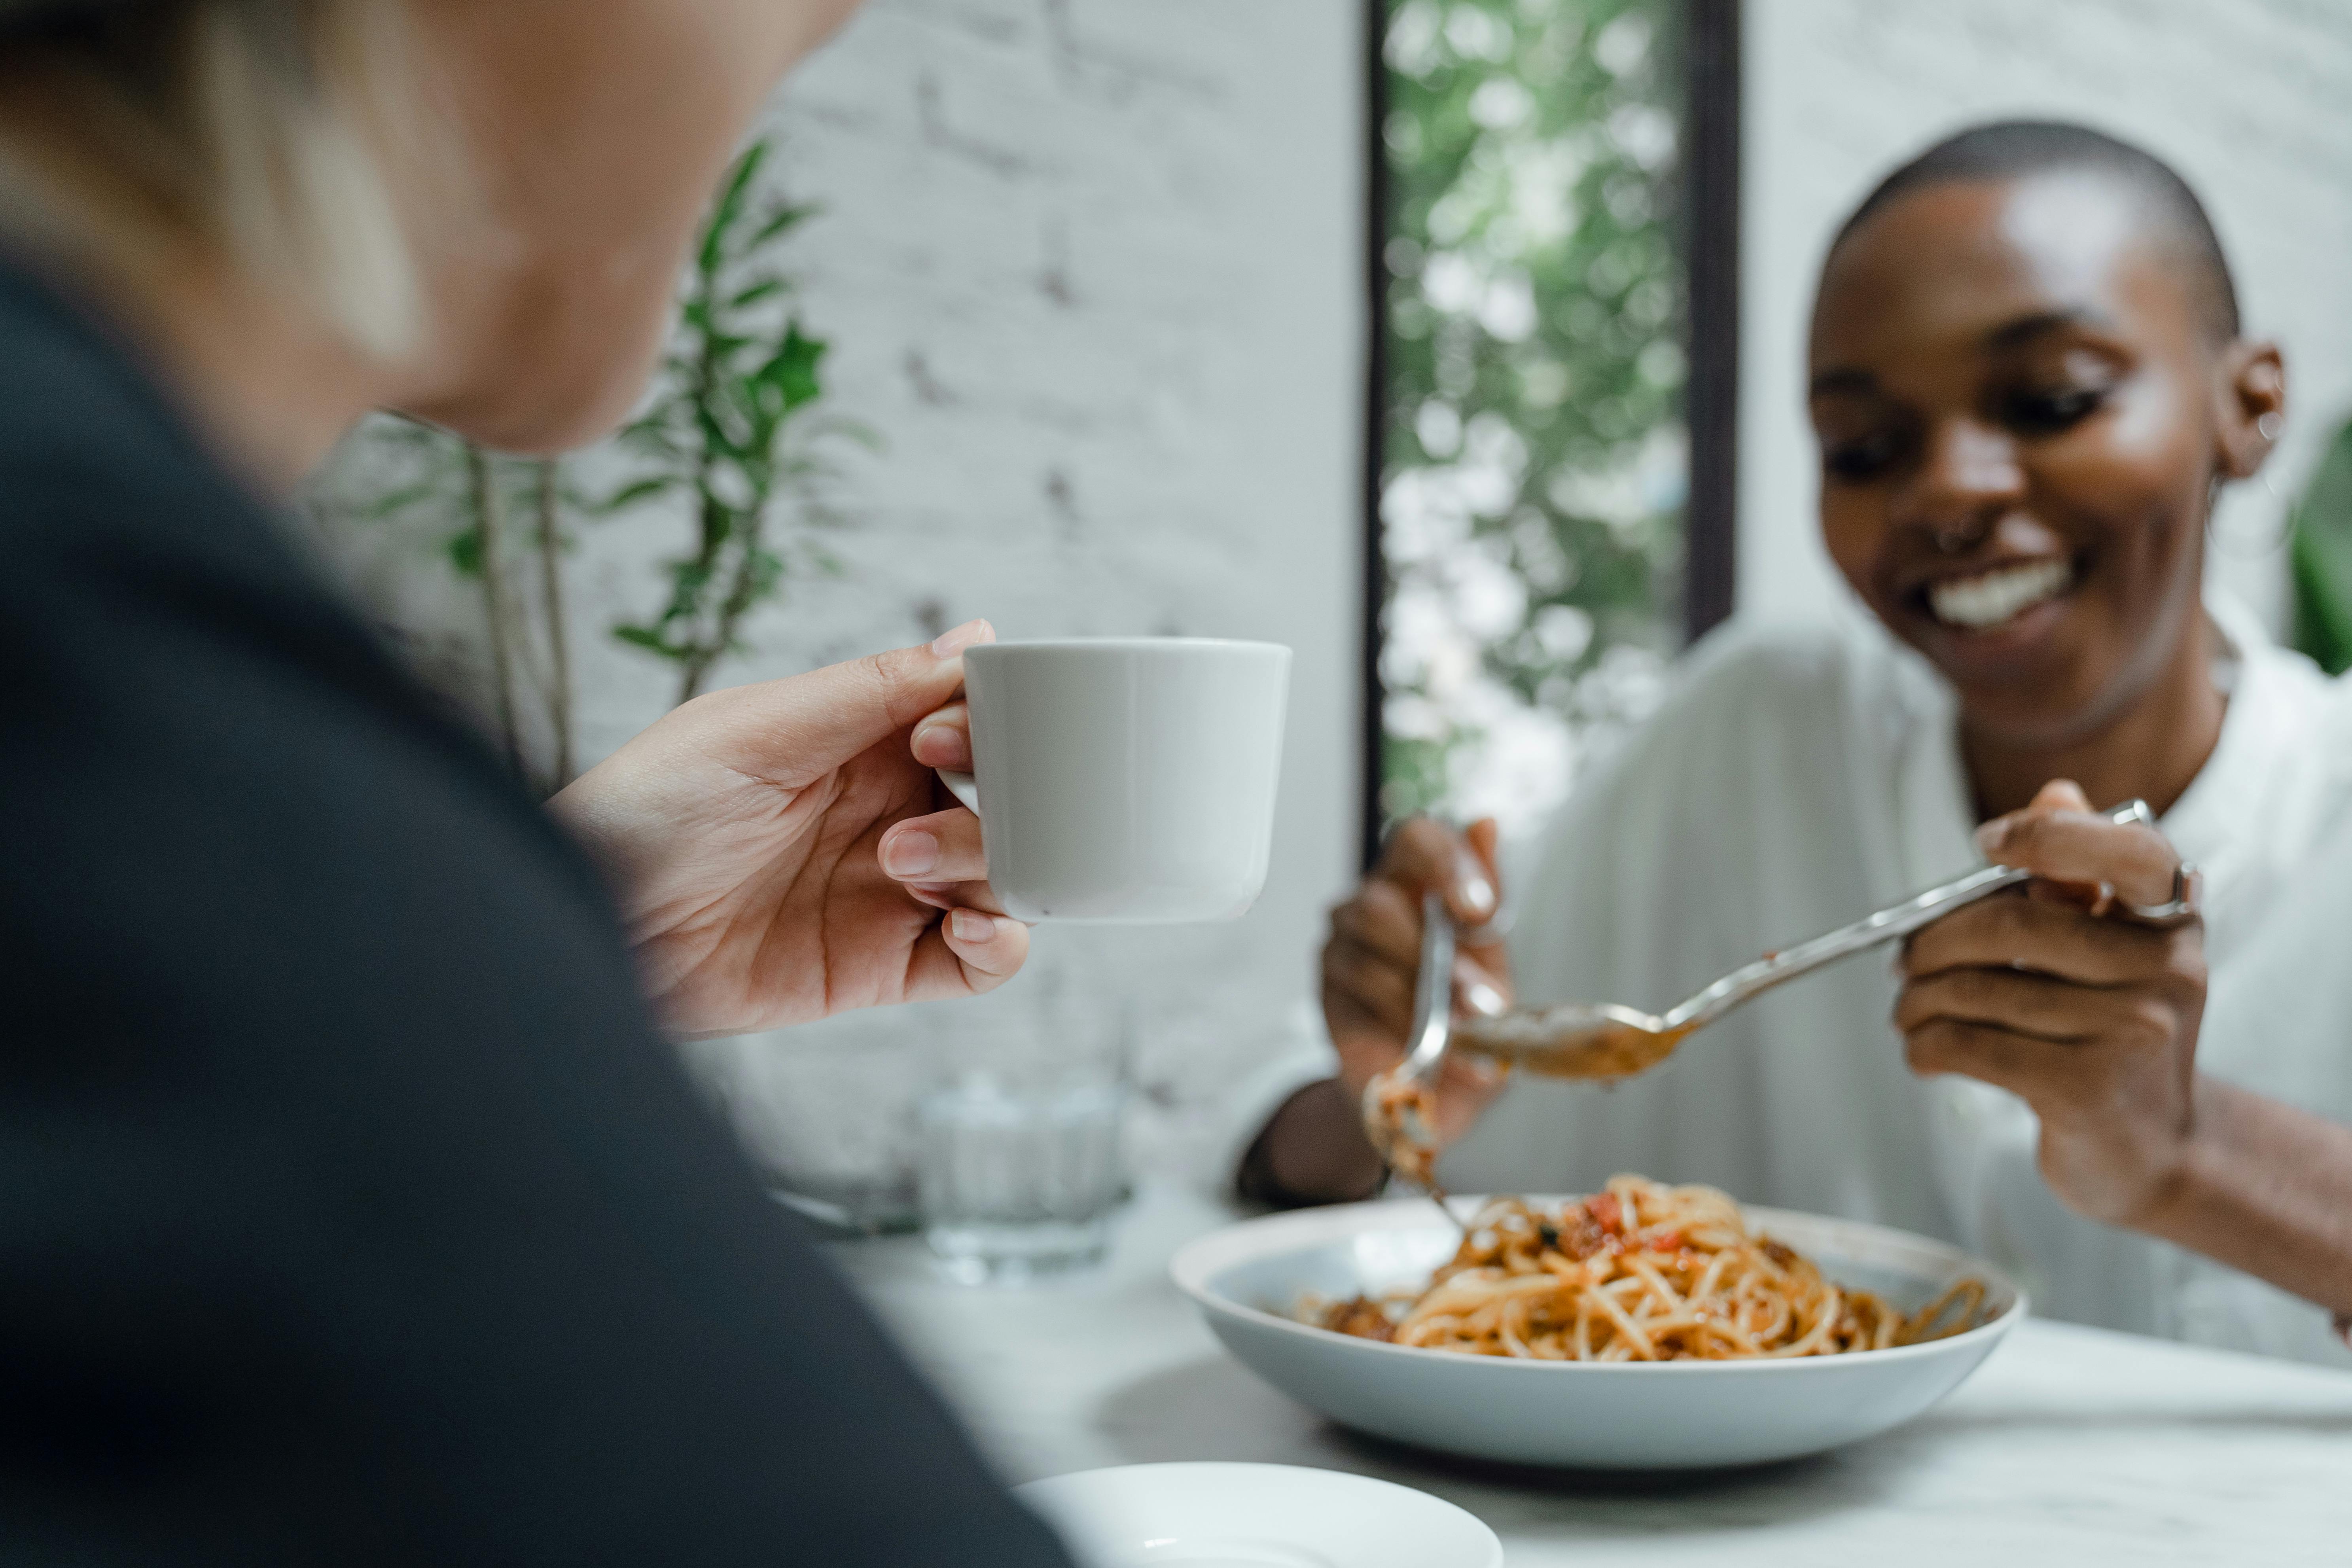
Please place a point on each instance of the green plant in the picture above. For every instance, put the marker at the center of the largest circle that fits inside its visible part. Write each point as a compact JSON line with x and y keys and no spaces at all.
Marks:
{"x":403,"y":471}
{"x":1532,"y":457}
{"x":729,"y":429}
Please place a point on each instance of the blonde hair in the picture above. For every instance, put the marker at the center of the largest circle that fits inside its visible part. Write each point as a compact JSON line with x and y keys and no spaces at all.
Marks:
{"x":268,"y":132}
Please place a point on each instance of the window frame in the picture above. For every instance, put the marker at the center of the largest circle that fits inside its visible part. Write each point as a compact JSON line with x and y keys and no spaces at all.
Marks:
{"x":1711,"y":133}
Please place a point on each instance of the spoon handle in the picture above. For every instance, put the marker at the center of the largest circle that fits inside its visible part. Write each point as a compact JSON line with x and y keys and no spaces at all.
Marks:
{"x":1889,"y":925}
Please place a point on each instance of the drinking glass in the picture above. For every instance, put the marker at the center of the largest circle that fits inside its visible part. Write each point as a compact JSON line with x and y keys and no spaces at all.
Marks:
{"x":1018,"y":1162}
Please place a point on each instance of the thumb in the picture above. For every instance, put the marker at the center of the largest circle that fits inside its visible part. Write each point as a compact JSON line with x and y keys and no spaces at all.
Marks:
{"x":2060,"y":795}
{"x":2057,"y":795}
{"x":799,"y":727}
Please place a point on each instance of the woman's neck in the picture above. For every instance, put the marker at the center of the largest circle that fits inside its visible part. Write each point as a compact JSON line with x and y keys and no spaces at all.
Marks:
{"x":2152,"y":750}
{"x":263,"y":381}
{"x":269,"y":388}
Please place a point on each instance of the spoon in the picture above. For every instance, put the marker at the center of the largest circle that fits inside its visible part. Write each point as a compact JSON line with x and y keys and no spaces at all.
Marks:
{"x":1605,"y":1041}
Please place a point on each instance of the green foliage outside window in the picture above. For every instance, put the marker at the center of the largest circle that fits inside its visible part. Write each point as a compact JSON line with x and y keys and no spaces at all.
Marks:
{"x":1534,"y":458}
{"x":2320,"y":553}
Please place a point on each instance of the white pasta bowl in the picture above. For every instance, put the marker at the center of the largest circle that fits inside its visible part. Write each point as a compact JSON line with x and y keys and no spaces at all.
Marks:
{"x":1248,"y":1279}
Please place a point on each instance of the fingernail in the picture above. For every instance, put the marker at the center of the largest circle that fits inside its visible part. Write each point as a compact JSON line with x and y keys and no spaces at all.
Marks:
{"x":971,"y":925}
{"x":1484,"y":999}
{"x":949,"y":644}
{"x":942,"y":746}
{"x":1478,"y":893}
{"x":910,"y":854}
{"x":1993,"y":834}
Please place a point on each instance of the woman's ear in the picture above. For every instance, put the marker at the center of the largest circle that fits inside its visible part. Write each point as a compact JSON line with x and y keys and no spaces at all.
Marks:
{"x":2253,"y":407}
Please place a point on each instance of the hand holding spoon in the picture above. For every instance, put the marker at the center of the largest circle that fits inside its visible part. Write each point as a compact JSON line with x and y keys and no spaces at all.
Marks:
{"x":1605,"y":1041}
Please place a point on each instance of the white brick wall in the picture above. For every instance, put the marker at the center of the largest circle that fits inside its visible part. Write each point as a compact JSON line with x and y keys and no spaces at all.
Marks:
{"x":2252,"y":100}
{"x":1090,"y":269}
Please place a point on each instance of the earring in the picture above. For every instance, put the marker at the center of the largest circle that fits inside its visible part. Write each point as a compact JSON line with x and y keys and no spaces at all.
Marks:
{"x":2268,"y":426}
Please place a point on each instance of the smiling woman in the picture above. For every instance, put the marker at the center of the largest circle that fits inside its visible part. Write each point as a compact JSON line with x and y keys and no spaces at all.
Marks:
{"x":2029,"y":381}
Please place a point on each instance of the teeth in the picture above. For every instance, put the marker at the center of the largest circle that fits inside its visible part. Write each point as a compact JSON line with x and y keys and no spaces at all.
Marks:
{"x":1987,"y":600}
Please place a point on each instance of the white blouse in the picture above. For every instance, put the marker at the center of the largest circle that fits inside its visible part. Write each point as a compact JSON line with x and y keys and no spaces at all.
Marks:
{"x":1799,"y":779}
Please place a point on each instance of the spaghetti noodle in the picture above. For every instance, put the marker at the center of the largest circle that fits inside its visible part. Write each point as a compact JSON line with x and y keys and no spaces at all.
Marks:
{"x":1408,"y":1115}
{"x":1641,"y":1271}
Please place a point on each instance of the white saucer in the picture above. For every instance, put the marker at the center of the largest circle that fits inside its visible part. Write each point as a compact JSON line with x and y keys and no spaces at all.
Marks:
{"x":1254,"y":1516}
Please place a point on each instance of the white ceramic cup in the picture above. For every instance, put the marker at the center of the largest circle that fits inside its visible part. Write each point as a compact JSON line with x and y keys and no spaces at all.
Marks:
{"x":1125,"y":780}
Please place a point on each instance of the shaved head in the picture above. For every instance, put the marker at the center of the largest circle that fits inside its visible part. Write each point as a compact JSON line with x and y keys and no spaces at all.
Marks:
{"x":2179,"y":229}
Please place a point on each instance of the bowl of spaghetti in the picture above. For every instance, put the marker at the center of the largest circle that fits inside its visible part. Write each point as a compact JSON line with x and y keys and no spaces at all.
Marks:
{"x":1645,"y":1327}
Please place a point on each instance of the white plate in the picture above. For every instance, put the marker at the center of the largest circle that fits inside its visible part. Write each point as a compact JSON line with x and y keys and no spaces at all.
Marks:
{"x":1612,"y":1416}
{"x":1256,"y":1516}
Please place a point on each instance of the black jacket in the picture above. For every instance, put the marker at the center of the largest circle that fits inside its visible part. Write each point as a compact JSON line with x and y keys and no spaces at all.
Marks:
{"x":351,"y":1210}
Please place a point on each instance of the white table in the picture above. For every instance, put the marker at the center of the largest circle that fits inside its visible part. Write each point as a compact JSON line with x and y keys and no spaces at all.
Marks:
{"x":2070,"y":1446}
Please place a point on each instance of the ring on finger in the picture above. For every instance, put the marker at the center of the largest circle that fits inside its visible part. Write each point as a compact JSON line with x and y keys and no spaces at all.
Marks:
{"x":2187,"y":888}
